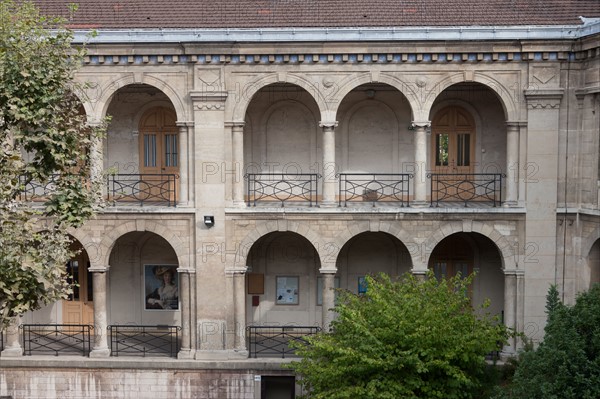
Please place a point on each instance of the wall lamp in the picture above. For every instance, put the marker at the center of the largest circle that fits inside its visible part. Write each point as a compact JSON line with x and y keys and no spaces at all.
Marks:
{"x":209,"y":221}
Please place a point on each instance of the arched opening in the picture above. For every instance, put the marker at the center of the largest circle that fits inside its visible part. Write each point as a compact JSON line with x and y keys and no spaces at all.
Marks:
{"x":468,"y":142}
{"x":592,"y":272}
{"x":141,"y":148}
{"x":374,"y":148}
{"x":371,"y":253}
{"x":282,"y":147}
{"x":282,"y":281}
{"x":78,"y":308}
{"x":467,"y":253}
{"x":143,"y":281}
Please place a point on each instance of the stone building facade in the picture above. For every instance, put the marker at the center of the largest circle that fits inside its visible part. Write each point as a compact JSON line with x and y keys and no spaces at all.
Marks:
{"x":267,"y":165}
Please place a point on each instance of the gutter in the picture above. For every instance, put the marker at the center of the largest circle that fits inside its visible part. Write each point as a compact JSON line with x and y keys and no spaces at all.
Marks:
{"x":591,"y":26}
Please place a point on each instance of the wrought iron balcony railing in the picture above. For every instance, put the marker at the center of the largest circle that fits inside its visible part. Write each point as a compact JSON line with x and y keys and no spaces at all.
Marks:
{"x":282,"y":187}
{"x":56,"y":339}
{"x":144,"y":340}
{"x":267,"y":341}
{"x":466,"y":188}
{"x":143,"y":189}
{"x":374,"y":187}
{"x":36,"y":191}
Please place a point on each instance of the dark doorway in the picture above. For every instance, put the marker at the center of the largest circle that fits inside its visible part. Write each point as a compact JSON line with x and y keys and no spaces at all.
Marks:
{"x":272,"y":387}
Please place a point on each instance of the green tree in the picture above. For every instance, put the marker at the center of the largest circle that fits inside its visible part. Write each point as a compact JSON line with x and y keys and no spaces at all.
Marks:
{"x":406,"y":339}
{"x":45,"y":140}
{"x":566,"y":364}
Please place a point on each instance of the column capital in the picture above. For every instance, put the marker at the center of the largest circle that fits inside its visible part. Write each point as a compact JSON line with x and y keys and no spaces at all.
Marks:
{"x":543,"y":98}
{"x":236,"y":271}
{"x":184,"y":124}
{"x":514,"y":272}
{"x":327,"y":271}
{"x":235,"y":124}
{"x":183,"y":270}
{"x":328,"y":124}
{"x":99,"y":269}
{"x":420,"y":124}
{"x":516,"y":124}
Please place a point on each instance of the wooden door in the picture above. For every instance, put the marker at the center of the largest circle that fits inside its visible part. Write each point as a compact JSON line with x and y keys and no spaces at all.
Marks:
{"x":453,"y":141}
{"x":159,"y":153}
{"x":79,"y":307}
{"x":453,"y":255}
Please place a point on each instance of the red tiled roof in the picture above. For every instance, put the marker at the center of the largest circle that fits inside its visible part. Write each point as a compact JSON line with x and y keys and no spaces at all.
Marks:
{"x":120,"y":14}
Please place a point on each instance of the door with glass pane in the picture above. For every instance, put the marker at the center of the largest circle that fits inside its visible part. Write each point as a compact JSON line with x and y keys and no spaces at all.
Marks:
{"x":78,"y":308}
{"x":159,"y":155}
{"x":453,"y":142}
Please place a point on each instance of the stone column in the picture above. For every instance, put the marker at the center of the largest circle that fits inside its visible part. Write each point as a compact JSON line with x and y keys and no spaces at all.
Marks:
{"x":97,"y":160}
{"x":13,"y":339}
{"x":328,"y":315}
{"x":186,"y":351}
{"x":239,"y":303}
{"x":512,"y":163}
{"x":420,"y":175}
{"x":183,"y":196}
{"x":237,"y":139}
{"x":329,"y":168}
{"x":510,"y":308}
{"x":100,"y":348}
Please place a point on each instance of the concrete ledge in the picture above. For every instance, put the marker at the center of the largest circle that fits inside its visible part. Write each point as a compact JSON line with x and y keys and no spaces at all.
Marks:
{"x":148,"y":363}
{"x":374,"y":210}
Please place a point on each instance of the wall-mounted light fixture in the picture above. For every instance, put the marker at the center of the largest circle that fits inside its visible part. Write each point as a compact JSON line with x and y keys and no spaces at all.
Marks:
{"x":209,"y":221}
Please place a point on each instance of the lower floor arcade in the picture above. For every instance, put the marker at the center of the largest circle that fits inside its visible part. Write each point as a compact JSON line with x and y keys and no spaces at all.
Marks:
{"x":137,"y":293}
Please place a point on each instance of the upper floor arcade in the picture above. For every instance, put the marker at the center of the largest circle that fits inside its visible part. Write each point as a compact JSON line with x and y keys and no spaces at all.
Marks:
{"x":388,"y":126}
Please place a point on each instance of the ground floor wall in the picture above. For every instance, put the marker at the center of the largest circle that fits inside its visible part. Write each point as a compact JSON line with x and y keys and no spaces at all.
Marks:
{"x":126,"y":381}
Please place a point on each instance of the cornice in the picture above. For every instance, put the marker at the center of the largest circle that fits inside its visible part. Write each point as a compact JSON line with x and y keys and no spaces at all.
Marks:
{"x":374,"y":57}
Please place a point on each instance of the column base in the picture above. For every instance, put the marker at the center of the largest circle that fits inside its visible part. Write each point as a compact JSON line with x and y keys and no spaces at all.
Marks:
{"x":222,"y":354}
{"x":328,"y":204}
{"x":420,"y":204}
{"x":240,"y":204}
{"x":12,"y":352}
{"x":509,"y":204}
{"x":186,"y":354}
{"x":100,"y":353}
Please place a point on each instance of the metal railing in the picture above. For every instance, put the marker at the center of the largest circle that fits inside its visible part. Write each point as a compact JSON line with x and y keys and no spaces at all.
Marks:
{"x":144,"y":189}
{"x":374,"y":187}
{"x":466,"y":188}
{"x":144,"y":340}
{"x":36,"y":191}
{"x":267,"y":341}
{"x":56,"y":339}
{"x":282,"y":187}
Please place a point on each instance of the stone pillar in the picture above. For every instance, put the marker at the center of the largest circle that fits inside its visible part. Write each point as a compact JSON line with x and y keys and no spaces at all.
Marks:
{"x":239,"y":303}
{"x":183,"y":196}
{"x":420,"y":175}
{"x":512,"y":163}
{"x":186,"y":351}
{"x":97,"y":160}
{"x":510,"y":308}
{"x":329,"y":168}
{"x":328,"y":315}
{"x":13,"y":339}
{"x":237,"y":140}
{"x":100,"y":348}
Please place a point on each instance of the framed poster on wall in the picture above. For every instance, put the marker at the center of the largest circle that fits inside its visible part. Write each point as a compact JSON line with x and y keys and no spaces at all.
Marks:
{"x":287,"y":290}
{"x":161,"y":287}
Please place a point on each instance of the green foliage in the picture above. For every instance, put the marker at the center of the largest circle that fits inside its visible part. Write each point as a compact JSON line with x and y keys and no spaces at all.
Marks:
{"x":567,"y":363}
{"x":406,"y":339}
{"x":44,"y":139}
